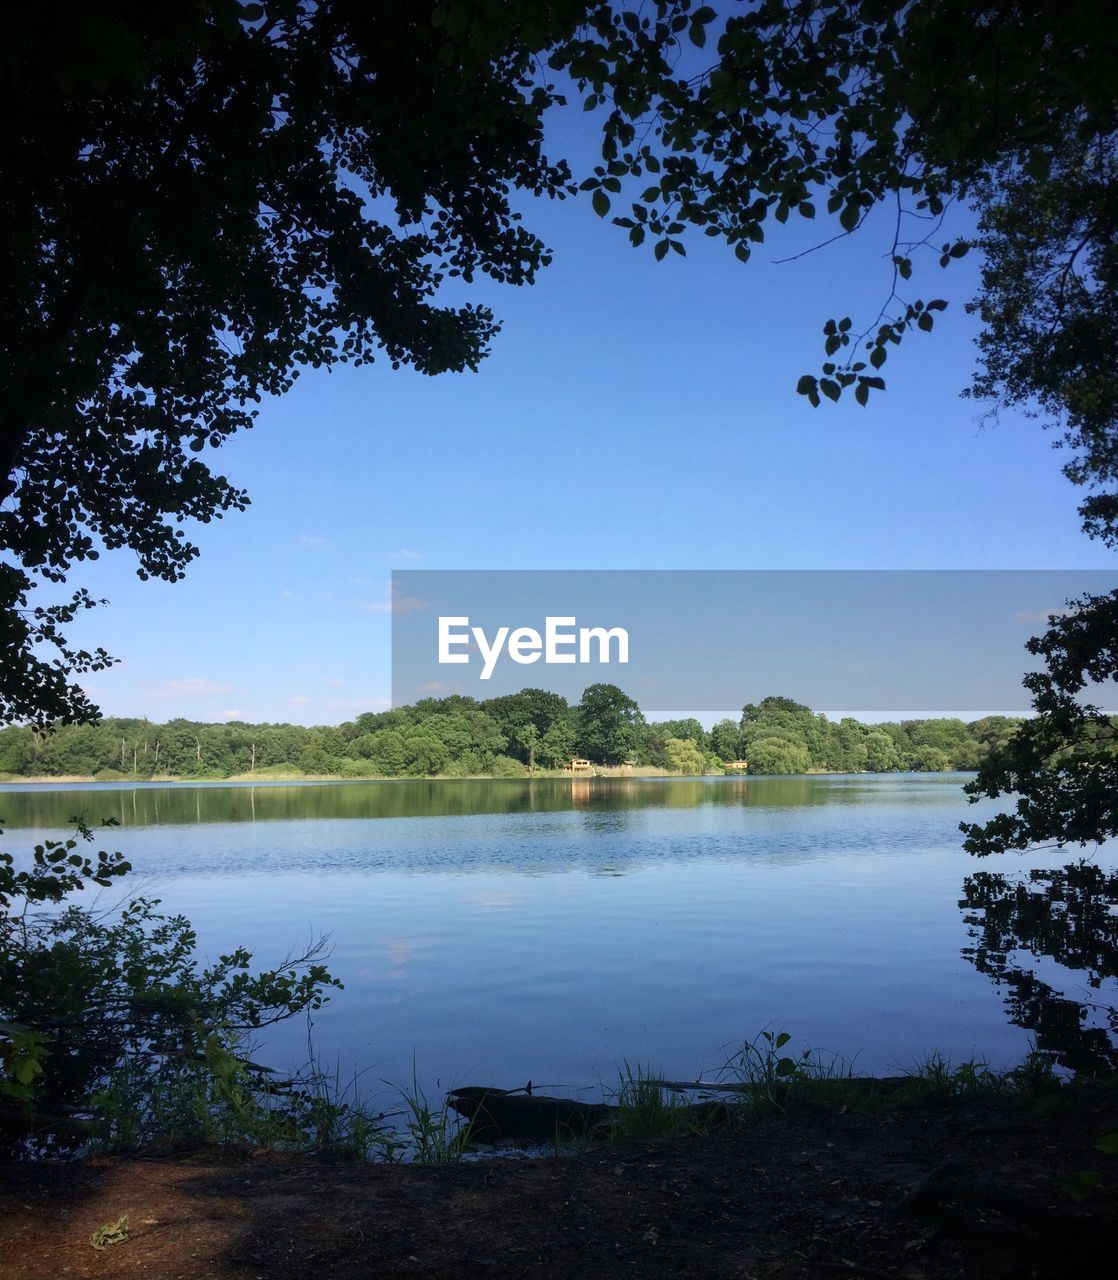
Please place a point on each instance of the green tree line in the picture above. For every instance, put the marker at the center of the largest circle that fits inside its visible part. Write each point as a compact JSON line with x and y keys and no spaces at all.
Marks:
{"x":503,"y":737}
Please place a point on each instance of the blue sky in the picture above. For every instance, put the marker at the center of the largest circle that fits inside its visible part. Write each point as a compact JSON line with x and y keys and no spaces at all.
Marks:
{"x":632,"y":414}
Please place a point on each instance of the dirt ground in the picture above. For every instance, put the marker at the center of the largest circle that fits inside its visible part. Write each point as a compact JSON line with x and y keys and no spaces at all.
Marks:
{"x":976,"y":1189}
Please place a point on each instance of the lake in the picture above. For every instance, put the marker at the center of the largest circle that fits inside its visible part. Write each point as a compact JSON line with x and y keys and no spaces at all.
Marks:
{"x":492,"y":932}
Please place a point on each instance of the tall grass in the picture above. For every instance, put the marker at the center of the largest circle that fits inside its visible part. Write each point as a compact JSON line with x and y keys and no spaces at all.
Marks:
{"x":938,"y":1079}
{"x":767,"y":1079}
{"x":646,"y":1107}
{"x":434,"y":1136}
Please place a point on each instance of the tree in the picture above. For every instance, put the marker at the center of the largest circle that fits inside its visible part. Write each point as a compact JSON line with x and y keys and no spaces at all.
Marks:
{"x":527,"y":738}
{"x":681,"y":755}
{"x":198,"y":201}
{"x":770,"y":753}
{"x":608,"y":724}
{"x":881,"y":753}
{"x":1061,"y":764}
{"x":517,"y":715}
{"x":557,"y":746}
{"x":725,"y":740}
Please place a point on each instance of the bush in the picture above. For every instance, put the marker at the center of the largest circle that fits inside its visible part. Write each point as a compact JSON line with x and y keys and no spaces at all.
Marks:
{"x":88,"y":1000}
{"x":507,"y":767}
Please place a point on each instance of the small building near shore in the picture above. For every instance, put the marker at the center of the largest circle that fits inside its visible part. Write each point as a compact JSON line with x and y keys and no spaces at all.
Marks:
{"x":580,"y":766}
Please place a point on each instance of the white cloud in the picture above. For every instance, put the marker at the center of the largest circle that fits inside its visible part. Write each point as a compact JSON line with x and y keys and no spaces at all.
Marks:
{"x":405,"y":553}
{"x":314,"y":599}
{"x":394,"y":604}
{"x":362,"y":704}
{"x":298,"y":700}
{"x":435,"y":687}
{"x":398,"y":604}
{"x":311,"y":541}
{"x":334,"y":682}
{"x":235,"y":715}
{"x":191,"y":687}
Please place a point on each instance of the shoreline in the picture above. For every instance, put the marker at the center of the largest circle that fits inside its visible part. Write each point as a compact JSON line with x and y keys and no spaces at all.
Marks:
{"x":539,"y":775}
{"x":975,"y":1187}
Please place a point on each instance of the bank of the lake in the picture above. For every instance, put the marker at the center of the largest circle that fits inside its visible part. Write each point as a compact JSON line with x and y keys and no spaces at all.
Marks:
{"x":264,"y":777}
{"x":980,"y":1189}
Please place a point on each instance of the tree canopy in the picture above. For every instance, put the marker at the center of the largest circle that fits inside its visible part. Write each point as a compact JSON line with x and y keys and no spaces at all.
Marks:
{"x":507,"y":736}
{"x":200,"y":200}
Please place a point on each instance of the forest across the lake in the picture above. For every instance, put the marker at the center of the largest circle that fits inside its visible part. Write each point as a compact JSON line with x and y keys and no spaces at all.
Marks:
{"x":509,"y":736}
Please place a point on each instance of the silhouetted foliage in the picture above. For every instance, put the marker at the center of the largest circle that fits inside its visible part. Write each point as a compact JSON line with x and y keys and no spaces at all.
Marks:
{"x":200,"y":200}
{"x":1067,"y":918}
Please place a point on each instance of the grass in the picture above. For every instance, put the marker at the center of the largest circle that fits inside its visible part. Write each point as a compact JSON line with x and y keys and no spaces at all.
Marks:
{"x":220,"y":1102}
{"x":938,"y":1079}
{"x":647,"y":1109}
{"x":767,"y":1079}
{"x":434,"y":1136}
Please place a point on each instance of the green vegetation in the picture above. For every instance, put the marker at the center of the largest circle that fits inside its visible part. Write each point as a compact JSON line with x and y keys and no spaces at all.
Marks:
{"x":504,"y":737}
{"x":111,"y":1029}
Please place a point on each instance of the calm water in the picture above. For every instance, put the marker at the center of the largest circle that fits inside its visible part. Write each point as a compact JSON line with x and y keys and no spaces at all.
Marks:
{"x":493,"y":932}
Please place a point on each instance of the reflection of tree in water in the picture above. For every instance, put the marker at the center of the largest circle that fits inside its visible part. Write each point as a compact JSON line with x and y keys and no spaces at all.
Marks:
{"x":1067,"y":916}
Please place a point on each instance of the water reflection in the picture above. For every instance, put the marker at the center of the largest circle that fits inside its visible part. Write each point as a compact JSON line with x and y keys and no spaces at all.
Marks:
{"x":155,"y":804}
{"x":1049,"y":938}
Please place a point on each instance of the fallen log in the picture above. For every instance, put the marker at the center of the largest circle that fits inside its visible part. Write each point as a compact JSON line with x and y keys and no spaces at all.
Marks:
{"x":497,"y":1113}
{"x":494,"y":1114}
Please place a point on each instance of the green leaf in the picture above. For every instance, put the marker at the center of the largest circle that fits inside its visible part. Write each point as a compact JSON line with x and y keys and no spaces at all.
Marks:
{"x":830,"y":388}
{"x":600,"y":201}
{"x":782,"y":1039}
{"x":877,"y":357}
{"x":848,"y":218}
{"x":862,"y":393}
{"x":806,"y":385}
{"x":661,"y":249}
{"x":1108,"y":1144}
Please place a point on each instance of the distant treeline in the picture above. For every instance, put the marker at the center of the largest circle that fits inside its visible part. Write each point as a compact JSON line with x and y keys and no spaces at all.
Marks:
{"x":502,"y":737}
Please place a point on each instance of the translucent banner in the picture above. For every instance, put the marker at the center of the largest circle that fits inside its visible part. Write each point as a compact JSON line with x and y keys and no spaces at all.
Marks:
{"x":873,"y":641}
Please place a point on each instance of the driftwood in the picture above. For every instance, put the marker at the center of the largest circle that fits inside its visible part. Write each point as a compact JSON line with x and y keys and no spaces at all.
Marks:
{"x":497,"y":1113}
{"x":525,"y":1117}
